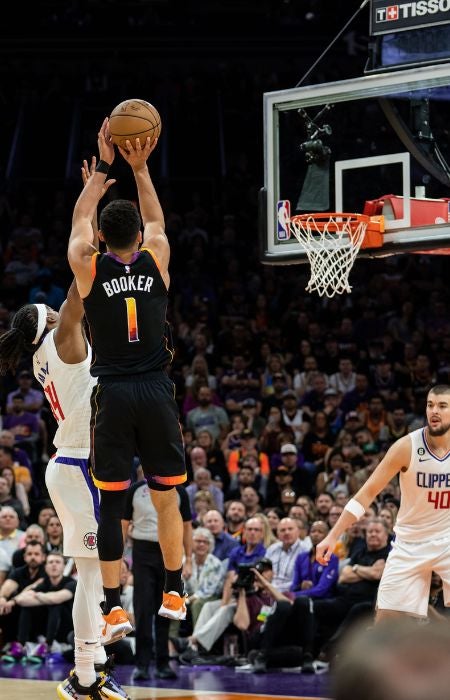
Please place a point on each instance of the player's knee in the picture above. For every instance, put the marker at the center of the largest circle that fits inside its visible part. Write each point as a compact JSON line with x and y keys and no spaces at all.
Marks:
{"x":154,"y":486}
{"x":112,"y":504}
{"x":109,"y":535}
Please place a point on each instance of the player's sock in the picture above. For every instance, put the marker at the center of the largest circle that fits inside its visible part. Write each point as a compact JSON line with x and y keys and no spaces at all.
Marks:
{"x":174,"y":582}
{"x":112,"y":599}
{"x":100,"y":654}
{"x":84,"y":661}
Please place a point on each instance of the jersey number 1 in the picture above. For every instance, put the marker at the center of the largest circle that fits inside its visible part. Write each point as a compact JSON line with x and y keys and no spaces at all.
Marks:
{"x":133,"y":334}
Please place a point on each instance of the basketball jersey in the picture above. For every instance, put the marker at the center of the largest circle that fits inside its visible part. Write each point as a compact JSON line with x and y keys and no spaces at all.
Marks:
{"x":68,"y":391}
{"x":126,"y":313}
{"x":425,"y":494}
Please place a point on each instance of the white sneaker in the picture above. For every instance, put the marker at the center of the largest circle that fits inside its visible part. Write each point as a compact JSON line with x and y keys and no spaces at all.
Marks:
{"x":173,"y":606}
{"x":116,"y":626}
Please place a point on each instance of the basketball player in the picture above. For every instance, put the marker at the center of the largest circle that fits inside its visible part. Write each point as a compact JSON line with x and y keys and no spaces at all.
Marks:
{"x":125,"y":293}
{"x":422,"y":542}
{"x":61,"y":361}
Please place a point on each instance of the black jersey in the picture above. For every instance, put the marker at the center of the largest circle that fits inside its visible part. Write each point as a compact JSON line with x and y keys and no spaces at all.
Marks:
{"x":126,"y":314}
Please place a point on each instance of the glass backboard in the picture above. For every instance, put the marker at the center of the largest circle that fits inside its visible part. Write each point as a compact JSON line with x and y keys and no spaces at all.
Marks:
{"x":379,"y":144}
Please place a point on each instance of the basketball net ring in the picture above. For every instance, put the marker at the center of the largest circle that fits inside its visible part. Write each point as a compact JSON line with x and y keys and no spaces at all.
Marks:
{"x":331,"y":242}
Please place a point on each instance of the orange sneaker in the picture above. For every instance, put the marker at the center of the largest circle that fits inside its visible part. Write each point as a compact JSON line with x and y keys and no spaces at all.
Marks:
{"x":117,"y":625}
{"x":173,"y":606}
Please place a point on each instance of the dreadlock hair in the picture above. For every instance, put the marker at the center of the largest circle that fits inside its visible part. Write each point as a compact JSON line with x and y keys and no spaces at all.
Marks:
{"x":19,"y":338}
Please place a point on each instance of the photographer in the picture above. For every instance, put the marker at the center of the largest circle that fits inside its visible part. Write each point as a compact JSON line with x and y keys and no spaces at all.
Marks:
{"x":257,"y":598}
{"x":216,"y":615}
{"x":290,"y":622}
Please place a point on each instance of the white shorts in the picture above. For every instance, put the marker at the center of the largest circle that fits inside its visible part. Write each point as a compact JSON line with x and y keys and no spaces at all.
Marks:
{"x":76,"y":501}
{"x":405,"y":583}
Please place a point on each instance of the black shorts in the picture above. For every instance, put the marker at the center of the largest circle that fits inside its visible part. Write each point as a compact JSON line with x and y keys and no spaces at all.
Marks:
{"x":132,"y":416}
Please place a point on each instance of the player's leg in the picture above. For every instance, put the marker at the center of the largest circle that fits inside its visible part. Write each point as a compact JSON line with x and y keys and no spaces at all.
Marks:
{"x":112,"y":452}
{"x":87,"y":620}
{"x":69,"y":475}
{"x":160,"y":447}
{"x":110,"y":550}
{"x":405,"y":584}
{"x":170,"y":535}
{"x":78,"y":515}
{"x":170,"y":526}
{"x":441,"y":566}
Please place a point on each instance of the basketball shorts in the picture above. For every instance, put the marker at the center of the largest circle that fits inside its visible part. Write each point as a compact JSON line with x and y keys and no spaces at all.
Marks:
{"x":76,"y":501}
{"x":136,"y":416}
{"x":405,"y":583}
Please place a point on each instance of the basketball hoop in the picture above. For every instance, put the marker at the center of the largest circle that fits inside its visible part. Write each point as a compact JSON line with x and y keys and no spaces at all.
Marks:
{"x":332,"y":242}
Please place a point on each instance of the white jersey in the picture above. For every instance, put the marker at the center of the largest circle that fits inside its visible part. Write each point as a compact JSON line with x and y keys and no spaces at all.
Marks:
{"x":68,"y":389}
{"x":425,"y":494}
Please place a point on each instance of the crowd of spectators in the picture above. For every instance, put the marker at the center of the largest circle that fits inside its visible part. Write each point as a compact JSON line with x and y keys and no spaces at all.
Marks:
{"x":287,"y":404}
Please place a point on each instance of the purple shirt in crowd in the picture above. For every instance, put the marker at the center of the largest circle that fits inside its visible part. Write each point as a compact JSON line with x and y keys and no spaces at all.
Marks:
{"x":240,"y":556}
{"x":224,"y":545}
{"x":22,"y":426}
{"x":31,"y":397}
{"x":324,"y":578}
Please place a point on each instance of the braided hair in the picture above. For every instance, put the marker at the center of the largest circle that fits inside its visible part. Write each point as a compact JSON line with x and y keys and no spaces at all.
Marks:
{"x":19,"y":338}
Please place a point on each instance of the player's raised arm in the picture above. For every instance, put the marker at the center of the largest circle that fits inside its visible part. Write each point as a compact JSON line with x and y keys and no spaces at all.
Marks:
{"x":82,"y":236}
{"x":154,"y":236}
{"x":397,"y":457}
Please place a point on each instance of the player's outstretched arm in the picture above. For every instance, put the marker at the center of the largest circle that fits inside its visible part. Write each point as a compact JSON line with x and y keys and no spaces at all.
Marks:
{"x":154,"y":236}
{"x":397,"y":457}
{"x":87,"y":171}
{"x":70,"y":339}
{"x":82,"y":235}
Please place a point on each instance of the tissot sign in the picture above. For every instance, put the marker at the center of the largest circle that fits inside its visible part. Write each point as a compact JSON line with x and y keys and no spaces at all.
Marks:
{"x":387,"y":16}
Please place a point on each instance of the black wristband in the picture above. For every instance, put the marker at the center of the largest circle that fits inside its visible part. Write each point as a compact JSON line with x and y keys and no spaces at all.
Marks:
{"x":102,"y":167}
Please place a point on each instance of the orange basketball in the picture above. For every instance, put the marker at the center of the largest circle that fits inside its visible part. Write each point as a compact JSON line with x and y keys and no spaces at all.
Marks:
{"x":134,"y":119}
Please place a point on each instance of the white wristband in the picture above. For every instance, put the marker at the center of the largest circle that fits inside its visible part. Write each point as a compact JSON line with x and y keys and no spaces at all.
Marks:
{"x":355,"y":508}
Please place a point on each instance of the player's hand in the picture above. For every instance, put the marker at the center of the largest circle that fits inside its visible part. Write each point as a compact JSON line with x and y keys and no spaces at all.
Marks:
{"x":105,"y":144}
{"x":135,"y":154}
{"x":88,"y":170}
{"x":325,"y":549}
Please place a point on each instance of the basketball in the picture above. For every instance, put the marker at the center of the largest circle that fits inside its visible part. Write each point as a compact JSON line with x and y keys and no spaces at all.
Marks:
{"x":134,"y":119}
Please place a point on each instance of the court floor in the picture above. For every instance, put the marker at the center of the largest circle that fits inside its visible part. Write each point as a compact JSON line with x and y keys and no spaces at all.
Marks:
{"x":19,"y":682}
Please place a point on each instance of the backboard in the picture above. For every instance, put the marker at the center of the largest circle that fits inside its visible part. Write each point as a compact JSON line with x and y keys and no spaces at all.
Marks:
{"x":341,"y":146}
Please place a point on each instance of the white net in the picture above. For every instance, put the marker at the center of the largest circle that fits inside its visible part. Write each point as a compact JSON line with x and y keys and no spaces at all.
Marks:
{"x":331,"y":242}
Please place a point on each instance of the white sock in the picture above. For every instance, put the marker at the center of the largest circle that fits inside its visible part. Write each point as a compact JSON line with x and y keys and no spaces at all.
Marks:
{"x":86,"y":615}
{"x":84,"y":661}
{"x":100,"y":655}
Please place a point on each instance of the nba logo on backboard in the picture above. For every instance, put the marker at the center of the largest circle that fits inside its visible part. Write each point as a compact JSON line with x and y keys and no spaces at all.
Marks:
{"x":283,"y":218}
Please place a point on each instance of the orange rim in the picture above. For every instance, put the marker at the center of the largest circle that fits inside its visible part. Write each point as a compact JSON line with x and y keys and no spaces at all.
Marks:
{"x":323,"y":219}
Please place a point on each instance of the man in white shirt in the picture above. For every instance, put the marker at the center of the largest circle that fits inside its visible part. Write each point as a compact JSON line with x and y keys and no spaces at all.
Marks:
{"x":293,"y":415}
{"x":10,"y":535}
{"x":345,"y":379}
{"x":283,"y":554}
